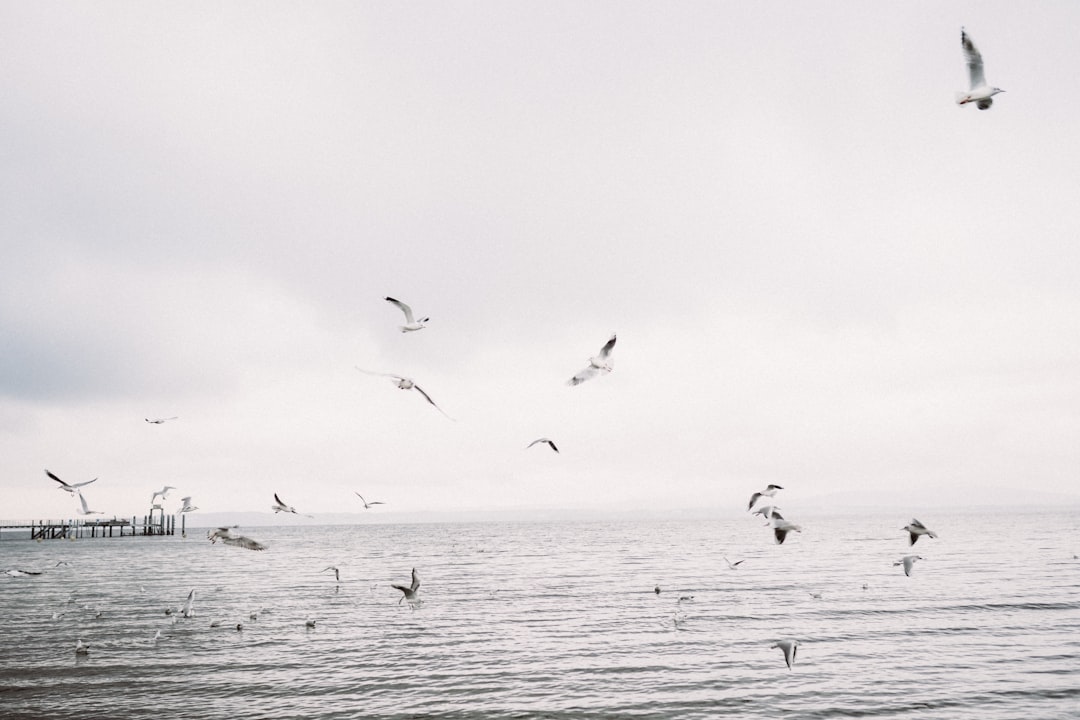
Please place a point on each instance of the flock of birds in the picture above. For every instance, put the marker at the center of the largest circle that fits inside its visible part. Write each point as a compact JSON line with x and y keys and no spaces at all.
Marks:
{"x":980,"y":93}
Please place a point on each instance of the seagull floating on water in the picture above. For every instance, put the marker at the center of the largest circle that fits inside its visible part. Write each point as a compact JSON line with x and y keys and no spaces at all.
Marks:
{"x":980,"y":93}
{"x":915,"y":529}
{"x":69,"y":487}
{"x":410,"y":325}
{"x":908,"y":561}
{"x":602,"y":363}
{"x":770,"y":491}
{"x":223,"y":534}
{"x":85,"y":509}
{"x":406,"y":384}
{"x":81,"y":649}
{"x":409,"y":593}
{"x":160,"y":421}
{"x":367,"y":505}
{"x":789,"y":647}
{"x":543,"y":440}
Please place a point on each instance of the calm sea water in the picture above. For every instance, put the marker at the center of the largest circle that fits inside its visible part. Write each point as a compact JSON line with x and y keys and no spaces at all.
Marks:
{"x":551,"y":620}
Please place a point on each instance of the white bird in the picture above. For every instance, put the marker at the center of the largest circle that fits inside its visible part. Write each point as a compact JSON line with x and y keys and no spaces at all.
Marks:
{"x":915,"y":529}
{"x":768,"y":512}
{"x":542,"y":440}
{"x":189,"y":605}
{"x":789,"y":647}
{"x":81,"y":649}
{"x":69,"y":487}
{"x":406,"y":384}
{"x":337,"y":575}
{"x":186,"y":505}
{"x":223,"y":534}
{"x":733,"y":565}
{"x":601,"y":363}
{"x":770,"y":491}
{"x":980,"y":93}
{"x":309,"y":623}
{"x":908,"y":561}
{"x":85,"y":510}
{"x":782,"y":527}
{"x":409,"y":593}
{"x":410,"y":324}
{"x":160,"y":421}
{"x":163,"y":492}
{"x":279,"y":506}
{"x":367,"y":505}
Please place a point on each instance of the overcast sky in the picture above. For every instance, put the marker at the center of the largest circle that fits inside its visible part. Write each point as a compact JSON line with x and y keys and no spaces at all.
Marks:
{"x":823,"y":273}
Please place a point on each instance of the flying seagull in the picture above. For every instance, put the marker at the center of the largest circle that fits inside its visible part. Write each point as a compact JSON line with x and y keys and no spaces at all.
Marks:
{"x":915,"y":529}
{"x":223,"y":534}
{"x":409,"y":593}
{"x":542,"y":440}
{"x":337,"y":575}
{"x":410,"y":323}
{"x":789,"y":647}
{"x":980,"y":93}
{"x":85,"y":510}
{"x":406,"y":384}
{"x":768,"y":512}
{"x":279,"y":506}
{"x":163,"y":492}
{"x":770,"y":491}
{"x":601,"y":363}
{"x":187,"y":506}
{"x":69,"y":487}
{"x":908,"y":561}
{"x":367,"y":505}
{"x":733,"y":565}
{"x":782,"y":527}
{"x":160,"y":421}
{"x":189,"y":605}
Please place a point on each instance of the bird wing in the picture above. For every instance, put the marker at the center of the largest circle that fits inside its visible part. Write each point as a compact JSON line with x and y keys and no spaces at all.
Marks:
{"x":415,"y":580}
{"x":379,"y":374}
{"x":606,"y":350}
{"x":753,"y":499}
{"x":553,"y":446}
{"x":586,"y":374}
{"x":244,"y":542}
{"x":428,"y":398}
{"x":85,"y":508}
{"x":62,"y":483}
{"x":278,"y":501}
{"x":404,"y":308}
{"x":974,"y":60}
{"x":780,"y":533}
{"x":916,"y":523}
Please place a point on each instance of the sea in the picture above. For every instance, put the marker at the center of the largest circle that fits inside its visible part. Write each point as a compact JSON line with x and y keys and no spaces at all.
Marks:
{"x":581,"y":619}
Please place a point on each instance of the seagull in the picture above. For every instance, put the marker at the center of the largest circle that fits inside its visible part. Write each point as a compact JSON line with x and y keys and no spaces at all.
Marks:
{"x":770,"y":491}
{"x":163,"y":492}
{"x":406,"y":384}
{"x":81,"y":649}
{"x":656,"y":589}
{"x":309,"y":623}
{"x":980,"y":93}
{"x":223,"y":534}
{"x":816,"y":596}
{"x":782,"y":527}
{"x":337,"y":575}
{"x":410,"y":324}
{"x":279,"y":506}
{"x":85,"y":510}
{"x":160,"y":421}
{"x":189,"y":609}
{"x":733,"y":565}
{"x":602,"y":363}
{"x":367,"y":505}
{"x":187,"y":506}
{"x":21,"y":573}
{"x":908,"y":561}
{"x":409,"y":592}
{"x":768,"y":512}
{"x":789,"y":647}
{"x":69,"y":487}
{"x":916,"y":529}
{"x":542,"y":440}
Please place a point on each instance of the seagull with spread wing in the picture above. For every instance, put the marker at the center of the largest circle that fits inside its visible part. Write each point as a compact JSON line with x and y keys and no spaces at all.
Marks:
{"x":69,"y":487}
{"x":981,"y":93}
{"x":367,"y":505}
{"x":601,"y":363}
{"x":406,"y":384}
{"x":409,"y":593}
{"x":411,"y":324}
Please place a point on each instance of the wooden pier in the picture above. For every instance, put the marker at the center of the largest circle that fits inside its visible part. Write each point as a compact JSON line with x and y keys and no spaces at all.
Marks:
{"x":153,"y":524}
